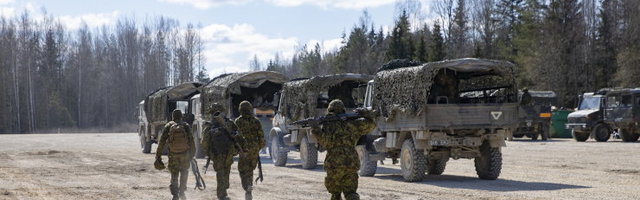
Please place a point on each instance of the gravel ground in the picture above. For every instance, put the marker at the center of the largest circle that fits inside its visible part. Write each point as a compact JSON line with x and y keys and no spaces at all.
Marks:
{"x":110,"y":166}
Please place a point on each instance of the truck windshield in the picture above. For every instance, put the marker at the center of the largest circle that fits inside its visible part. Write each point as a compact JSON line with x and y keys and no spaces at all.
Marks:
{"x":182,"y":106}
{"x":590,"y":103}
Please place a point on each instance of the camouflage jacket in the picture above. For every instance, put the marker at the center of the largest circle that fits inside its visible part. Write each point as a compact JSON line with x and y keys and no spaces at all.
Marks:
{"x":340,"y":138}
{"x":251,"y":131}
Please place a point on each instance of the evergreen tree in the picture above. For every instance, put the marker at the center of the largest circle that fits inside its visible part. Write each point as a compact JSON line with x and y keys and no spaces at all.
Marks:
{"x":400,"y":46}
{"x":436,"y":49}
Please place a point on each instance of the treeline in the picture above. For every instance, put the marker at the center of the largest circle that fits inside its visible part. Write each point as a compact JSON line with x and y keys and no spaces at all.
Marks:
{"x":51,"y":77}
{"x":568,"y":46}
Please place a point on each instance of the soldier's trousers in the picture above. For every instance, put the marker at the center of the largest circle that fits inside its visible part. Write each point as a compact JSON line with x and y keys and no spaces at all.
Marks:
{"x":342,"y":180}
{"x":179,"y":164}
{"x":222,"y":165}
{"x":246,"y":164}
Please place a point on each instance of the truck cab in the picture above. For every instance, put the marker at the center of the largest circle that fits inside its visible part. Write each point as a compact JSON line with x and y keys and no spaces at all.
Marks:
{"x":588,"y":119}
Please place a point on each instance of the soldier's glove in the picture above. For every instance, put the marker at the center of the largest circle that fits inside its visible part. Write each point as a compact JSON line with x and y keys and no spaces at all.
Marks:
{"x":159,"y":165}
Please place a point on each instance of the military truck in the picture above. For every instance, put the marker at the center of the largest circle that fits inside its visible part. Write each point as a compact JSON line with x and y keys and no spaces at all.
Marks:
{"x":588,"y":119}
{"x":535,"y":115}
{"x":229,"y":90}
{"x":155,"y":111}
{"x":305,"y":98}
{"x":462,"y":108}
{"x":622,"y":112}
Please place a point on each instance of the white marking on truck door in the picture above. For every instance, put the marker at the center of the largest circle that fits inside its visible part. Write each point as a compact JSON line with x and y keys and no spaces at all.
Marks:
{"x":496,"y":114}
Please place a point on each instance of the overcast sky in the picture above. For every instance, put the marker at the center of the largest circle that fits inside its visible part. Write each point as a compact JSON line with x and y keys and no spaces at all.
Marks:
{"x":234,"y":30}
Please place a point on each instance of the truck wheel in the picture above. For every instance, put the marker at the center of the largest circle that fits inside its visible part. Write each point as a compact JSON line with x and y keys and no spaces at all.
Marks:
{"x":412,"y":162}
{"x":368,"y":167}
{"x":601,"y":133}
{"x":544,"y":131}
{"x":628,"y":136}
{"x":278,"y":157}
{"x":489,"y":164}
{"x":436,"y":166}
{"x":308,"y":154}
{"x":146,"y":147}
{"x":199,"y":152}
{"x":579,"y":136}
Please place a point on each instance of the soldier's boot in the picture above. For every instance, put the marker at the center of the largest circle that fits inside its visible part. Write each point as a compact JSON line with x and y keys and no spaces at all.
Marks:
{"x":183,"y":196}
{"x":352,"y":196}
{"x":247,"y":193}
{"x":174,"y":192}
{"x":336,"y":196}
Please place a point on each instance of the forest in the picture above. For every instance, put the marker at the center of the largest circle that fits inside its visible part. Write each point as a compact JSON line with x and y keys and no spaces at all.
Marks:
{"x":52,"y":78}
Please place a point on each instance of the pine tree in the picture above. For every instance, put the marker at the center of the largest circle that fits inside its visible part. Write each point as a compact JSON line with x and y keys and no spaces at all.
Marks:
{"x":436,"y":49}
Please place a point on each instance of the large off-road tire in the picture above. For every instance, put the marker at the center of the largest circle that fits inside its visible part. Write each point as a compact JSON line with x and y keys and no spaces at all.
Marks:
{"x":601,"y":133}
{"x":368,"y":167}
{"x":146,"y":147}
{"x":412,"y":162}
{"x":308,"y":153}
{"x":627,"y":136}
{"x":144,"y":144}
{"x":579,"y":136}
{"x":544,"y":131}
{"x":278,"y":157}
{"x":489,"y":164}
{"x":436,"y":166}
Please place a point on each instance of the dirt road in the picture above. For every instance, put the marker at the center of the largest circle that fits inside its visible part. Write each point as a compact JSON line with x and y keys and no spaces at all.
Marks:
{"x":110,"y":166}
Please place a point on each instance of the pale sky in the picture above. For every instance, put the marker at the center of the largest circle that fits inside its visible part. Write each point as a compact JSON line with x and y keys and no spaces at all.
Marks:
{"x":233,"y":30}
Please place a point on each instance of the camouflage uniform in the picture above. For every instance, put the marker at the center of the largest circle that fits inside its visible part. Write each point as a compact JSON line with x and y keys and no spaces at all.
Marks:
{"x":252,"y":133}
{"x":179,"y":159}
{"x":220,"y":155}
{"x":341,"y":162}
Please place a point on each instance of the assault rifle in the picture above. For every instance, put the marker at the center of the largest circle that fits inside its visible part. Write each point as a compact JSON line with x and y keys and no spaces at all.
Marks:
{"x":260,"y":177}
{"x":339,"y":117}
{"x":196,"y":173}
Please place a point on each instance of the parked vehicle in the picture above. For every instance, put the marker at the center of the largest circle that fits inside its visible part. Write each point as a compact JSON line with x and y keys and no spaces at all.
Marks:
{"x":305,"y":98}
{"x":155,"y":111}
{"x":229,"y":90}
{"x":622,"y":112}
{"x":462,"y":108}
{"x":588,"y":119}
{"x":535,"y":115}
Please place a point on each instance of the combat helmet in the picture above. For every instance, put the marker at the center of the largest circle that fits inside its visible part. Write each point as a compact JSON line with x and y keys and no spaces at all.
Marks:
{"x":176,"y":115}
{"x":245,"y":108}
{"x":336,"y":106}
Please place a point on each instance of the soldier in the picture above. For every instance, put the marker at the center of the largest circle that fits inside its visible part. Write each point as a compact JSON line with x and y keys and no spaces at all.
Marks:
{"x":177,"y":134}
{"x":340,"y":138}
{"x":251,"y":132}
{"x":218,"y":141}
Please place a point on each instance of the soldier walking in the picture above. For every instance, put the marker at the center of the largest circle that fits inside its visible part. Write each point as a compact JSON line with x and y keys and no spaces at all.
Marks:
{"x":218,"y":141}
{"x":251,"y":131}
{"x":177,"y":134}
{"x":340,"y":138}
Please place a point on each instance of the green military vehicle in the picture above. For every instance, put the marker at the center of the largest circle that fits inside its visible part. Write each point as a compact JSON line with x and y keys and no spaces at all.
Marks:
{"x":535,"y":114}
{"x":588,"y":119}
{"x":229,"y":90}
{"x":622,"y":111}
{"x":462,"y":108}
{"x":155,"y":111}
{"x":306,"y":98}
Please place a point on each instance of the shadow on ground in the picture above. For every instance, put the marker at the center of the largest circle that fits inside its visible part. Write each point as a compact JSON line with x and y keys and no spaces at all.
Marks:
{"x":500,"y":185}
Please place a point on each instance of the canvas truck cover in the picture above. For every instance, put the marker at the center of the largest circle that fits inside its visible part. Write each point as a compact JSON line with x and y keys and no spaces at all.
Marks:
{"x":156,"y":104}
{"x":301,"y":96}
{"x":406,"y":89}
{"x":220,"y":89}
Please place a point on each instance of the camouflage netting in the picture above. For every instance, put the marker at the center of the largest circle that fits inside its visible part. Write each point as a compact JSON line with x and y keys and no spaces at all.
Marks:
{"x":406,"y":89}
{"x":230,"y":89}
{"x":301,"y":96}
{"x":157,"y":106}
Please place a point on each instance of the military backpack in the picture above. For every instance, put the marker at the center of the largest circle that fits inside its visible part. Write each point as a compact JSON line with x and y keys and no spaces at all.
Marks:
{"x":178,"y":138}
{"x":220,"y":140}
